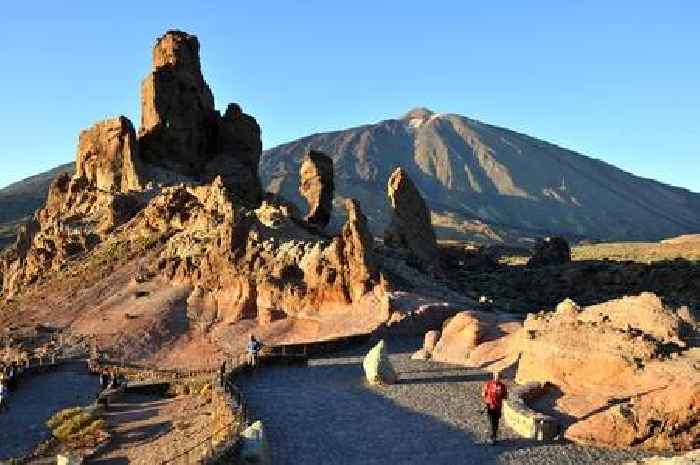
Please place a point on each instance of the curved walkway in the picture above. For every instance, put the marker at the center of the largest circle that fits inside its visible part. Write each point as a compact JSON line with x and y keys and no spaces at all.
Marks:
{"x":36,"y":399}
{"x":325,"y":414}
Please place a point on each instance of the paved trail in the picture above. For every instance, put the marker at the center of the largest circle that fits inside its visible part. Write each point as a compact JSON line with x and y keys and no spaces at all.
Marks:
{"x":37,"y":398}
{"x":325,"y":414}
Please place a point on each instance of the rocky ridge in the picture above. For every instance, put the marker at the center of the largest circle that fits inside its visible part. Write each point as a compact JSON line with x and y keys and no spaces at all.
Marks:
{"x":178,"y":207}
{"x":162,"y":243}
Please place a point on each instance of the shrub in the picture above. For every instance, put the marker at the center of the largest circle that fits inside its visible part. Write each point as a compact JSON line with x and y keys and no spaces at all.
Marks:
{"x":75,"y":425}
{"x":62,"y":416}
{"x":65,"y":431}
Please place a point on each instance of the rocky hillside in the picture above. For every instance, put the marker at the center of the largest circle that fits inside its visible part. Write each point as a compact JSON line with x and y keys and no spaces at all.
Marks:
{"x":20,"y":200}
{"x":483,"y":181}
{"x":163,"y":237}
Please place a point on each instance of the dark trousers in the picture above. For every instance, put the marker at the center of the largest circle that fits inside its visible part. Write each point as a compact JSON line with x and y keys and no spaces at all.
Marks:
{"x":494,"y":419}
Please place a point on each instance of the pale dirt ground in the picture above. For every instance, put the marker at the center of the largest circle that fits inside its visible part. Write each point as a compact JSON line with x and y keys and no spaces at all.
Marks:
{"x":150,"y":429}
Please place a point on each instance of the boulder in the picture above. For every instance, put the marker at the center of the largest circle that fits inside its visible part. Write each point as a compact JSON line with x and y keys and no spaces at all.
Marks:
{"x":410,"y":226}
{"x":460,"y":335}
{"x":429,"y":342}
{"x":550,"y":251}
{"x":578,"y":356}
{"x":316,"y":186}
{"x":108,"y":156}
{"x":254,"y":446}
{"x":378,"y":368}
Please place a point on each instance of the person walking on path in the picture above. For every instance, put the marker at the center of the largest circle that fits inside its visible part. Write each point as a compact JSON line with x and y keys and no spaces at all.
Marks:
{"x":494,"y":393}
{"x":253,"y":349}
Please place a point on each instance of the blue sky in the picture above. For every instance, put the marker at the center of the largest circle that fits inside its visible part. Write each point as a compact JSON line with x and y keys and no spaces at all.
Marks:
{"x":617,"y":80}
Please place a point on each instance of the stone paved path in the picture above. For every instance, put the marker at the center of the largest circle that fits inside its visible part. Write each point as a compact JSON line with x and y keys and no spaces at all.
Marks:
{"x":324,"y":414}
{"x":37,"y":398}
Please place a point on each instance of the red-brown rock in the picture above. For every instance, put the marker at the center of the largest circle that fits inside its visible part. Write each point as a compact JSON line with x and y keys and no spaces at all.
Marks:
{"x":316,"y":186}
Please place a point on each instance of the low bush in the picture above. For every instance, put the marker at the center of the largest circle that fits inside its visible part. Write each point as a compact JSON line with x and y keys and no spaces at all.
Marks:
{"x":77,"y":427}
{"x":62,"y":416}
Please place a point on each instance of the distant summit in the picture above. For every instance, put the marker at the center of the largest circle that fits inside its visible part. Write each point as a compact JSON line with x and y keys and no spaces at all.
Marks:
{"x":418,"y":113}
{"x":488,"y":183}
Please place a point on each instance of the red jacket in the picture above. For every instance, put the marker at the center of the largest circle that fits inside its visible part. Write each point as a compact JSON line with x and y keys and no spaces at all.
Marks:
{"x":494,"y":393}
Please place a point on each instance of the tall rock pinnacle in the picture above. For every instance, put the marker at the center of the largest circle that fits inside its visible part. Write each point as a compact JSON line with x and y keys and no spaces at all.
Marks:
{"x":182,"y":132}
{"x":177,"y":107}
{"x":410,"y":226}
{"x":316,"y":186}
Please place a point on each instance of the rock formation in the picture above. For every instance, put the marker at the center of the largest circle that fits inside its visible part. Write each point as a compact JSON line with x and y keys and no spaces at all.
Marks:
{"x":378,"y":368}
{"x":609,"y":352}
{"x":645,"y":312}
{"x":410,"y":226}
{"x":627,"y":369}
{"x":460,"y":335}
{"x":360,"y":264}
{"x":550,"y":251}
{"x":177,"y":107}
{"x":243,"y":259}
{"x":182,"y":138}
{"x":430,"y":340}
{"x":108,"y":156}
{"x":182,"y":135}
{"x":316,"y":186}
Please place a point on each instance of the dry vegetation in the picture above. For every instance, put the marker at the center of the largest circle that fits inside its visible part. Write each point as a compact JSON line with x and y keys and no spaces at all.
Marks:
{"x":78,"y":428}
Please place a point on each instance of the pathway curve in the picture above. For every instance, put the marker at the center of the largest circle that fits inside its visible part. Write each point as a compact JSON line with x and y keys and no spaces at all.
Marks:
{"x":324,"y":413}
{"x":37,"y":398}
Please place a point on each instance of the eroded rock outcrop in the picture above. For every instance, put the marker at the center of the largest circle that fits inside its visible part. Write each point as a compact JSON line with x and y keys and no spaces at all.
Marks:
{"x":410,"y":227}
{"x":627,"y":369}
{"x":615,"y":362}
{"x":177,"y":106}
{"x":182,"y":139}
{"x":182,"y":135}
{"x":108,"y":156}
{"x":316,"y":186}
{"x":645,"y":312}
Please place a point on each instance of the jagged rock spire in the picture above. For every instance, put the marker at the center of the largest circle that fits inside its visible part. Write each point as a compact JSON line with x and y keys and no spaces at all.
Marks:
{"x":316,"y":186}
{"x":410,"y":227}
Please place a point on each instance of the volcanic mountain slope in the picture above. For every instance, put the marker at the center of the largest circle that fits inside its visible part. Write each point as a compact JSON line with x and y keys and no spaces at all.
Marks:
{"x":481,"y":180}
{"x":20,"y":200}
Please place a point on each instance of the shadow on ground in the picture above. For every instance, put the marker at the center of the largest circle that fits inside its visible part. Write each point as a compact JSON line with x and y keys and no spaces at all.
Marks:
{"x":324,"y":413}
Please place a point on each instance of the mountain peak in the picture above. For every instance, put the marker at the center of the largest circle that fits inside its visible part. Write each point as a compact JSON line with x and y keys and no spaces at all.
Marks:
{"x":418,"y":113}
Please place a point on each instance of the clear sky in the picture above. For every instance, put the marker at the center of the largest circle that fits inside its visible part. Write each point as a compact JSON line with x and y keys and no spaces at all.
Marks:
{"x":617,"y":80}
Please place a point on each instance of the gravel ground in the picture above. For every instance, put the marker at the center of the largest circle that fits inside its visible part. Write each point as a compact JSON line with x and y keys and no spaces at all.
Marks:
{"x":149,"y":429}
{"x":325,"y":414}
{"x":37,"y":398}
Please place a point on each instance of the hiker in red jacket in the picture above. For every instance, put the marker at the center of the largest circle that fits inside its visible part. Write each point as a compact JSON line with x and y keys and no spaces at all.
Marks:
{"x":494,"y":393}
